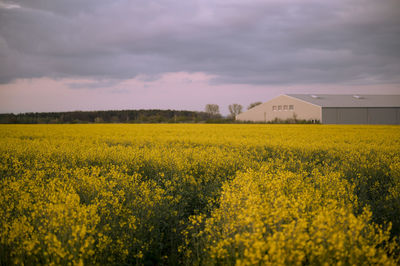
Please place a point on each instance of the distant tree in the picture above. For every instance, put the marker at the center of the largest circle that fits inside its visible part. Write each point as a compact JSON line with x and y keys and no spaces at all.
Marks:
{"x":212,"y":110}
{"x":98,"y":120}
{"x":235,"y":109}
{"x":253,"y":105}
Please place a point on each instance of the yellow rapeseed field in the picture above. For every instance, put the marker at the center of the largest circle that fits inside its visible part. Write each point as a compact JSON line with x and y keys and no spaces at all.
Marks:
{"x":120,"y":194}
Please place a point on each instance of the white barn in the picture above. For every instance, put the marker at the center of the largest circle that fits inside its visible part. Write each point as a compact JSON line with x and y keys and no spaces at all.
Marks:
{"x":328,"y":109}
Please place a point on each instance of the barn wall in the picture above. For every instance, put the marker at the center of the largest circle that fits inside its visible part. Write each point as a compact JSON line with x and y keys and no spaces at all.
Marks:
{"x":352,"y":115}
{"x":397,"y":115}
{"x":384,"y":116}
{"x":370,"y":115}
{"x":329,"y":116}
{"x":264,"y":112}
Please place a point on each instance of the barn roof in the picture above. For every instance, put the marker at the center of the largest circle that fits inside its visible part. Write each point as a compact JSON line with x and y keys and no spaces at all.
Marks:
{"x":340,"y":100}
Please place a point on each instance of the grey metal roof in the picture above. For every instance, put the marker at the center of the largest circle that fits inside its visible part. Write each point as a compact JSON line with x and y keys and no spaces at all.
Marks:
{"x":340,"y":100}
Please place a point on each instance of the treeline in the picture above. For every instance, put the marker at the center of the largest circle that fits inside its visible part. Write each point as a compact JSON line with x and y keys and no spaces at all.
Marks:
{"x":121,"y":116}
{"x":134,"y":116}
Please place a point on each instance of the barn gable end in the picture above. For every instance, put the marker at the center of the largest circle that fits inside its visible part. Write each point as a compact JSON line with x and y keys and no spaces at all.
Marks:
{"x":328,"y":109}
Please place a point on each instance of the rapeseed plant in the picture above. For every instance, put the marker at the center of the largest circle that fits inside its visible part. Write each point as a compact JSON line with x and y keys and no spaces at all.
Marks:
{"x":199,"y":194}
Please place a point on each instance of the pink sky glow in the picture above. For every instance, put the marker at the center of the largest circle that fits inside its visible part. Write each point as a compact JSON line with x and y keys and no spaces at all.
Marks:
{"x":178,"y":90}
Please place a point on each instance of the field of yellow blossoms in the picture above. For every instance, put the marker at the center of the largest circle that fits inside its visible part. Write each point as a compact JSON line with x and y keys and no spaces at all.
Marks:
{"x":199,"y":194}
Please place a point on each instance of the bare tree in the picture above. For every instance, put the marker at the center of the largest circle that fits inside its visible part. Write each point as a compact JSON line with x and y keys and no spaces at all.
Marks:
{"x":235,"y":109}
{"x":212,"y":110}
{"x":253,"y":105}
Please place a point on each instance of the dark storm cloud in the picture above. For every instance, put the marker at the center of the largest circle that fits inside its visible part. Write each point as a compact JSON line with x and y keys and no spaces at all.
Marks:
{"x":253,"y":42}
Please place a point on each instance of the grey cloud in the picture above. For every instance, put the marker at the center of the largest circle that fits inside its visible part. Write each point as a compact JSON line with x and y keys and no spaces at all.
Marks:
{"x":100,"y":83}
{"x":253,"y":42}
{"x":8,"y":5}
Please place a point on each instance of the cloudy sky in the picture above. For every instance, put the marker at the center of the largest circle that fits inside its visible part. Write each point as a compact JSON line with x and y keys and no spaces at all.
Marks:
{"x":59,"y":55}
